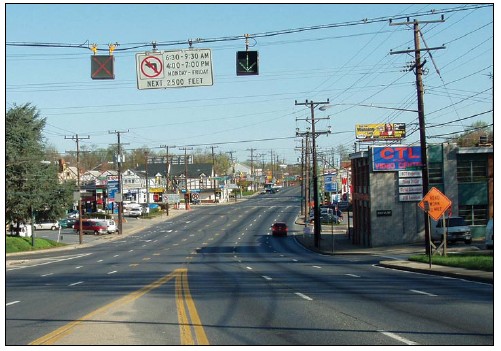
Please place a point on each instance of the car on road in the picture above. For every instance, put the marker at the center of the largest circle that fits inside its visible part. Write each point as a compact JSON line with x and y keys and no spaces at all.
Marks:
{"x":489,"y":234}
{"x":42,"y":225}
{"x":457,"y":230}
{"x":92,"y":226}
{"x":279,"y":229}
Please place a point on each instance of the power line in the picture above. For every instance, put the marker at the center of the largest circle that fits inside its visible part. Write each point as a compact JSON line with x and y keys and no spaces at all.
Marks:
{"x":134,"y":46}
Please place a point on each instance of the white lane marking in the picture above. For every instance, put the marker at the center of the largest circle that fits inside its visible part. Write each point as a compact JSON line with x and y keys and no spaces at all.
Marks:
{"x":49,"y":262}
{"x":73,"y":284}
{"x":78,"y":267}
{"x":352,"y":275}
{"x":112,"y":272}
{"x":249,"y":268}
{"x":116,"y":255}
{"x":46,"y":275}
{"x":316,"y":267}
{"x":422,"y":292}
{"x":100,"y":261}
{"x":266,"y":277}
{"x":11,"y":303}
{"x":131,"y":250}
{"x":294,"y":260}
{"x":398,"y":337}
{"x":304,"y":296}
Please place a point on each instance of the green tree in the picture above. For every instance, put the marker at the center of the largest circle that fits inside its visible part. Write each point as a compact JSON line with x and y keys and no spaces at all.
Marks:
{"x":31,"y":181}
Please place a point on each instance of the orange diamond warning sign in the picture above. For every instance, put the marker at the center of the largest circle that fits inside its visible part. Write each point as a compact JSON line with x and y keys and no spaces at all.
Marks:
{"x":435,"y":203}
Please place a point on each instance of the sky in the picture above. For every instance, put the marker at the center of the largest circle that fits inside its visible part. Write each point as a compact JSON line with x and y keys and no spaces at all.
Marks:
{"x":341,"y":53}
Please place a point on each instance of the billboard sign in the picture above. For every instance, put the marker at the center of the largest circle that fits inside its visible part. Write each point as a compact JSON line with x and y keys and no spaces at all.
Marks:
{"x":395,"y":158}
{"x":380,"y":131}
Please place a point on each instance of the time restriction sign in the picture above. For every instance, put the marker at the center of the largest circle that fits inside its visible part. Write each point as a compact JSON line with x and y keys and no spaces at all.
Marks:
{"x":174,"y":69}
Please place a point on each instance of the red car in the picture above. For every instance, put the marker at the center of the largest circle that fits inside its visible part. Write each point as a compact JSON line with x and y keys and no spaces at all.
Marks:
{"x":279,"y":228}
{"x":90,"y":226}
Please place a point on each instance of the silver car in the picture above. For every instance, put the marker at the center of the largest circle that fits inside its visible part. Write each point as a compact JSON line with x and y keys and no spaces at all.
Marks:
{"x":52,"y":225}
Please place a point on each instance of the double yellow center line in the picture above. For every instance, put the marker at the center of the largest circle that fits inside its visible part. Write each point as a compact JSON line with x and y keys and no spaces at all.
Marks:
{"x":183,"y":299}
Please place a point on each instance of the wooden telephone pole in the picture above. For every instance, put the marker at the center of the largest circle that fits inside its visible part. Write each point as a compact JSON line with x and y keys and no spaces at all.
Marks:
{"x":420,"y":98}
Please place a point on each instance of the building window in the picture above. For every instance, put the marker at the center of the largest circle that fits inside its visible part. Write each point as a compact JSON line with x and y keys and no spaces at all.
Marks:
{"x":435,"y":173}
{"x":470,"y":171}
{"x":474,"y":214}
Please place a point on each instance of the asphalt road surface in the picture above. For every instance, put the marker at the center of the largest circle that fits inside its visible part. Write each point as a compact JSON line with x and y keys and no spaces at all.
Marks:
{"x":215,"y":276}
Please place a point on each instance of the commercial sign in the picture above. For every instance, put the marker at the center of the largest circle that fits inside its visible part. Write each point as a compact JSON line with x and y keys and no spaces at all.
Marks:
{"x":395,"y":158}
{"x":174,"y":69}
{"x":380,"y":131}
{"x":410,"y":181}
{"x":410,"y":189}
{"x":330,"y":183}
{"x":410,"y":174}
{"x":410,"y":197}
{"x":113,"y":188}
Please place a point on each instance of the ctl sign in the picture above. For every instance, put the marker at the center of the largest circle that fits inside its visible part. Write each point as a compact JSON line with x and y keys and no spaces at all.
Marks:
{"x":395,"y":158}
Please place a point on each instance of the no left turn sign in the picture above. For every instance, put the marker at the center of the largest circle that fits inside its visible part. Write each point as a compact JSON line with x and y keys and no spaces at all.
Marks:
{"x":151,"y":67}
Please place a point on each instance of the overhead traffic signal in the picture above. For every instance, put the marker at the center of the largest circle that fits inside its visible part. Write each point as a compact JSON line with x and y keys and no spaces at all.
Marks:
{"x":102,"y":66}
{"x":247,"y":63}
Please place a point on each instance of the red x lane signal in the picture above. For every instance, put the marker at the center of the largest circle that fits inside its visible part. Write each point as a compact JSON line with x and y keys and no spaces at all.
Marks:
{"x":102,"y":67}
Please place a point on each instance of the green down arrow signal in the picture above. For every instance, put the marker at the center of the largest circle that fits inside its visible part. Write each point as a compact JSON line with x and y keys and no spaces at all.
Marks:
{"x":247,"y":63}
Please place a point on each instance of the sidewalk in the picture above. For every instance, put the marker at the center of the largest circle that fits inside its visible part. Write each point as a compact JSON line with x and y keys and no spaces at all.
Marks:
{"x":335,"y":241}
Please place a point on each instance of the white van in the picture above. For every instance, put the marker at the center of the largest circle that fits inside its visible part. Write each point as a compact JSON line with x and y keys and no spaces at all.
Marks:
{"x":112,"y":226}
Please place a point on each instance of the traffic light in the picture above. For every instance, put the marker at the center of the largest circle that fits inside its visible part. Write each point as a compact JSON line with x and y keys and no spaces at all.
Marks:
{"x":102,"y":66}
{"x":247,"y":63}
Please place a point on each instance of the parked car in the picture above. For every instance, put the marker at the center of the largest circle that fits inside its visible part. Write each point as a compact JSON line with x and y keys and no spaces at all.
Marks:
{"x":52,"y":225}
{"x":279,"y":228}
{"x":457,"y":230}
{"x":67,"y":222}
{"x":134,"y":212}
{"x":72,"y":214}
{"x":112,"y":226}
{"x":92,"y":226}
{"x":489,"y":234}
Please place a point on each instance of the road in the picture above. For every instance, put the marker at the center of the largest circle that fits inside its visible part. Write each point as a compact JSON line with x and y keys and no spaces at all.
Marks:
{"x":214,"y":276}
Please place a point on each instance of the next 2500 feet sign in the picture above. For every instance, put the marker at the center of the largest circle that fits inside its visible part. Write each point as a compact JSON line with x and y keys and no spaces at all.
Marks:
{"x":174,"y":69}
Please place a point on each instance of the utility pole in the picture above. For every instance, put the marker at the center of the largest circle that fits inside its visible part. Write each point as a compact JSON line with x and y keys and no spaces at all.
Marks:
{"x":252,"y":166}
{"x":167,"y":175}
{"x":146,"y":155}
{"x":77,"y":139}
{"x":119,"y":165}
{"x":186,"y":190}
{"x":316,"y":205}
{"x":214,"y":171}
{"x":420,"y":98}
{"x":271,"y":158}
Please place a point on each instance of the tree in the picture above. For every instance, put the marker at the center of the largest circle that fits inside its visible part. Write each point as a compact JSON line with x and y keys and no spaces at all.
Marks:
{"x":31,"y":181}
{"x":472,"y":134}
